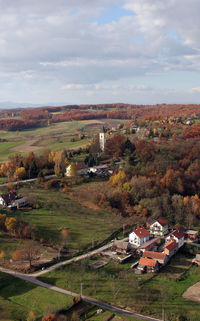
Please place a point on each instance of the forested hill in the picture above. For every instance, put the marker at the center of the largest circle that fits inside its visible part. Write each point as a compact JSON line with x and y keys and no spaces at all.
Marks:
{"x":19,"y":119}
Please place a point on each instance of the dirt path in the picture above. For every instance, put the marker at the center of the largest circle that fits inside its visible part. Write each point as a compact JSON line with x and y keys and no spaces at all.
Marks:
{"x":27,"y":147}
{"x":193,"y":293}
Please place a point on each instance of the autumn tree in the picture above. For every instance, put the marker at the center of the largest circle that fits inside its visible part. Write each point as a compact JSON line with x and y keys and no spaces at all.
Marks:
{"x":118,"y":179}
{"x":65,"y":236}
{"x":20,"y":173}
{"x":49,"y":317}
{"x":2,"y":222}
{"x":11,"y":224}
{"x":30,"y":252}
{"x":31,"y":316}
{"x":59,"y":167}
{"x":17,"y":255}
{"x":2,"y":255}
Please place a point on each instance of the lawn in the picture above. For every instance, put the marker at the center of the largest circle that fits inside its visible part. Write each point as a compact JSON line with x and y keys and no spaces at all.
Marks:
{"x":119,"y":285}
{"x":9,"y":245}
{"x":59,"y":143}
{"x":18,"y":297}
{"x":56,"y":210}
{"x":5,"y":149}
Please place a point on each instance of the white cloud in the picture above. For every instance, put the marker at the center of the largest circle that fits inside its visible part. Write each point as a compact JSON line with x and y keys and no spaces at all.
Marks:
{"x":45,"y":44}
{"x":196,"y":89}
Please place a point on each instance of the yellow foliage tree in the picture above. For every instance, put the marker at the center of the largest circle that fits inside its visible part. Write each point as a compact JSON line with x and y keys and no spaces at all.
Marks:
{"x":20,"y":173}
{"x":10,"y":223}
{"x":2,"y":255}
{"x":118,"y":179}
{"x":60,"y":164}
{"x":73,"y":170}
{"x":17,"y":255}
{"x":31,"y":316}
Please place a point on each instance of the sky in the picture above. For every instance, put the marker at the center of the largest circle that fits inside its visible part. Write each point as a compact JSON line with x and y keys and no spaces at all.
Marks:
{"x":99,"y":51}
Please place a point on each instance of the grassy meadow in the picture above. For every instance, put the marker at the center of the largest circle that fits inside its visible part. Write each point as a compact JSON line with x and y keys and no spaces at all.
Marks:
{"x":18,"y":298}
{"x":56,"y":136}
{"x":146,"y":293}
{"x":56,"y":210}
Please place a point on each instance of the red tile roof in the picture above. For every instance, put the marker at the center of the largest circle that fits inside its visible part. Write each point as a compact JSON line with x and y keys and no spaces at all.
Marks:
{"x":147,"y":262}
{"x":141,"y":232}
{"x":154,"y":255}
{"x":171,"y":245}
{"x":178,"y":233}
{"x":162,"y":221}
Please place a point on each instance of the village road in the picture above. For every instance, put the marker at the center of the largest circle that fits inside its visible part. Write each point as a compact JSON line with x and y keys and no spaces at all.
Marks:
{"x":27,"y":180}
{"x":99,"y":303}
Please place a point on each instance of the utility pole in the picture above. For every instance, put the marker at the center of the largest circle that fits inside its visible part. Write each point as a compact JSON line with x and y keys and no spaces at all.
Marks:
{"x":163,"y":314}
{"x":123,"y":229}
{"x":81,"y":289}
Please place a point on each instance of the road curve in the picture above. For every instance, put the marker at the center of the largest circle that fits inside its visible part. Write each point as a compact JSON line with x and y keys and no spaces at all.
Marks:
{"x":32,"y":279}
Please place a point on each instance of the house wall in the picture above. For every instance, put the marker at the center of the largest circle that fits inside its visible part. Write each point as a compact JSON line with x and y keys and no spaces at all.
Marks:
{"x":157,"y":229}
{"x":2,"y":201}
{"x":134,"y":239}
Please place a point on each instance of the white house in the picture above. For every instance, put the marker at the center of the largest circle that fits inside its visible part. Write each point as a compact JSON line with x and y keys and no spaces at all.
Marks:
{"x":7,"y":199}
{"x":139,"y":236}
{"x":178,"y":236}
{"x":159,"y":227}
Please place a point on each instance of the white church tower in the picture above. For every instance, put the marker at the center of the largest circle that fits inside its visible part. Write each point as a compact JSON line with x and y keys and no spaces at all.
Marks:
{"x":102,"y":139}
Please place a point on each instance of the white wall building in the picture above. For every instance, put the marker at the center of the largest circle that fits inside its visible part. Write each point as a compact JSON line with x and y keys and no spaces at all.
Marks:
{"x":139,"y":236}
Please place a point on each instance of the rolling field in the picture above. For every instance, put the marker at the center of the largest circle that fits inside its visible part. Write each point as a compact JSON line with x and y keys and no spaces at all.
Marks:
{"x":55,"y":210}
{"x":56,"y":137}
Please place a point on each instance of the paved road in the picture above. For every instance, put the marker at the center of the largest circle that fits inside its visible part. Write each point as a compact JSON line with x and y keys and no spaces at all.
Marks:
{"x":99,"y":303}
{"x":74,"y":259}
{"x":32,"y":278}
{"x":27,"y":180}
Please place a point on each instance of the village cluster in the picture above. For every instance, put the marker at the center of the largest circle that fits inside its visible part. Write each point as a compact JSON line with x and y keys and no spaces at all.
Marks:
{"x":153,"y":245}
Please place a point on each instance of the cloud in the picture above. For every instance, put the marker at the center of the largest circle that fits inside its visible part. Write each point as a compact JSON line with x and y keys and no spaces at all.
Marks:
{"x":49,"y":45}
{"x":196,"y":89}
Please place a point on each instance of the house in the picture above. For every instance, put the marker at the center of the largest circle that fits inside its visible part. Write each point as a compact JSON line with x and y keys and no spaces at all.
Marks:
{"x":178,"y":236}
{"x":121,"y":246}
{"x":20,"y":202}
{"x":162,"y":258}
{"x":8,"y":199}
{"x":159,"y":227}
{"x":196,"y":260}
{"x":148,"y":265}
{"x":191,"y":235}
{"x":171,"y":248}
{"x":139,"y":236}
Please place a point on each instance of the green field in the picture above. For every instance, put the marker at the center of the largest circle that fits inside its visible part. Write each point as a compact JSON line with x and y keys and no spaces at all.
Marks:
{"x":146,"y":294}
{"x":18,"y":297}
{"x":56,"y":210}
{"x":6,"y":149}
{"x":55,"y":136}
